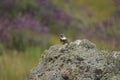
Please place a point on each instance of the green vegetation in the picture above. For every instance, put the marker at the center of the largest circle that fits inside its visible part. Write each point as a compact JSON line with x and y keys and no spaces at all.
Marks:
{"x":28,"y":27}
{"x":16,"y":65}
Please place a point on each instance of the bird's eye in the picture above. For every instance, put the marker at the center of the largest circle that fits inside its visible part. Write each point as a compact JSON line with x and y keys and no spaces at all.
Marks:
{"x":60,"y":34}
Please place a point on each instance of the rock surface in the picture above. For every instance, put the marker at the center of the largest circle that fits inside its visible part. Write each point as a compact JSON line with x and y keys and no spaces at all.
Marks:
{"x":78,"y":60}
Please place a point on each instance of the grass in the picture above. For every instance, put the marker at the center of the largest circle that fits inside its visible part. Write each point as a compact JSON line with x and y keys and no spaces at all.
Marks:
{"x":99,"y":9}
{"x":16,"y":65}
{"x":103,"y":45}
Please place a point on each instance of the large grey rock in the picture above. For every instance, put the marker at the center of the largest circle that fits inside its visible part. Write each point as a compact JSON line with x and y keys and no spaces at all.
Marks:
{"x":79,"y":60}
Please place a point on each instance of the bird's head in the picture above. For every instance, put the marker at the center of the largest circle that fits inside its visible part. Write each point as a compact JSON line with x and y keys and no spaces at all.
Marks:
{"x":62,"y":36}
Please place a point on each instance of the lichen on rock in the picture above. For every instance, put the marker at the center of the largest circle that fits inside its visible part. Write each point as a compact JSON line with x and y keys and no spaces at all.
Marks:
{"x":78,"y":60}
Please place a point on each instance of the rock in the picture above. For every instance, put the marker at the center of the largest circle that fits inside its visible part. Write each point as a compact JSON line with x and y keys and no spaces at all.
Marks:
{"x":78,"y":60}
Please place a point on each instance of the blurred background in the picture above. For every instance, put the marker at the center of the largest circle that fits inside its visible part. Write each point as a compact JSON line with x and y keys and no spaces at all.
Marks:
{"x":28,"y":27}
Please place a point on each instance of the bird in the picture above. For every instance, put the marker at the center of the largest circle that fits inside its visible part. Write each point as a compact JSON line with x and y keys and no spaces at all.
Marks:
{"x":63,"y":39}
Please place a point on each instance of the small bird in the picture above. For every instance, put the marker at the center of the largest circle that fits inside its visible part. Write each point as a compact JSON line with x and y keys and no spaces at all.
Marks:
{"x":63,"y":39}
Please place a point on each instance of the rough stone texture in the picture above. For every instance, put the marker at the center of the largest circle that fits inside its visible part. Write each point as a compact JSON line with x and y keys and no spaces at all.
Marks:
{"x":79,"y":60}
